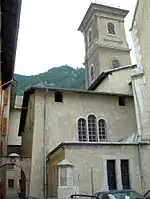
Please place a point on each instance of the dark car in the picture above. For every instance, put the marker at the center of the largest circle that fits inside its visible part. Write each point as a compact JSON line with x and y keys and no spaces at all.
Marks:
{"x":123,"y":194}
{"x":147,"y":195}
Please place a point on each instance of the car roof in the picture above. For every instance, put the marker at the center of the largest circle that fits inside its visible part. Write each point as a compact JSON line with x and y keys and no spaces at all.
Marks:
{"x":116,"y":191}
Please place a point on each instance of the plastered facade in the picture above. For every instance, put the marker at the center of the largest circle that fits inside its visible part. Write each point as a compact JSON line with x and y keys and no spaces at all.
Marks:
{"x":73,"y":107}
{"x":22,"y":163}
{"x":65,"y":116}
{"x":104,"y":47}
{"x":14,"y":119}
{"x":86,"y":157}
{"x":141,"y":39}
{"x":16,"y":175}
{"x":52,"y":171}
{"x":61,"y":118}
{"x":111,"y":85}
{"x":27,"y":139}
{"x":96,"y":158}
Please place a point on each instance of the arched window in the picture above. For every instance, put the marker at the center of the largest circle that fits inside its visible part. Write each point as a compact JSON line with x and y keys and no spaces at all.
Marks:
{"x":111,"y":28}
{"x":92,"y":75}
{"x":102,"y":130}
{"x":90,"y":36}
{"x":115,"y":63}
{"x":82,"y":131}
{"x":92,"y":128}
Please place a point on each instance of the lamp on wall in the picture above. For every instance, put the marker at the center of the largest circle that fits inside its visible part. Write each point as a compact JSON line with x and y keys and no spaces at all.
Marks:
{"x":13,"y":160}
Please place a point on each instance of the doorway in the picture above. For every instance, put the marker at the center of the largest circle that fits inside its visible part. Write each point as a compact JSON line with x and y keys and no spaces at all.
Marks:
{"x":12,"y":182}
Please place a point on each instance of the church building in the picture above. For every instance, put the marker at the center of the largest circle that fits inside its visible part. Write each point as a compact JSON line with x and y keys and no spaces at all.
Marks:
{"x":88,"y":141}
{"x":98,"y":139}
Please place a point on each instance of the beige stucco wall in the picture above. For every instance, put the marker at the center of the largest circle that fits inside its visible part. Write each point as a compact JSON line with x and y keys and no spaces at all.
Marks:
{"x":18,"y":101}
{"x":22,"y":162}
{"x":93,"y":60}
{"x":84,"y":157}
{"x":118,"y":40}
{"x":104,"y":47}
{"x":107,"y":55}
{"x":52,"y":171}
{"x":35,"y":138}
{"x":61,"y":125}
{"x":27,"y":136}
{"x":14,"y":119}
{"x":16,"y":175}
{"x":117,"y":82}
{"x":141,"y":29}
{"x":98,"y":25}
{"x":145,"y":151}
{"x":141,"y":39}
{"x":102,"y":58}
{"x":61,"y":122}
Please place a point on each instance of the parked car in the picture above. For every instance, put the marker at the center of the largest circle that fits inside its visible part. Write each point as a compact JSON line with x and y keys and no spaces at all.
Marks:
{"x":123,"y":194}
{"x":147,"y":195}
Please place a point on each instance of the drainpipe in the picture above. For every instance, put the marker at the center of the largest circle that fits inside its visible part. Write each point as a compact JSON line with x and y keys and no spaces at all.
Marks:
{"x":44,"y":144}
{"x":92,"y":181}
{"x":140,"y":166}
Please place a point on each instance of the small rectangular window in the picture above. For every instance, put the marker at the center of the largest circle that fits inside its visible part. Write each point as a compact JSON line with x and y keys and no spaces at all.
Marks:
{"x":58,"y":97}
{"x":125,"y":174}
{"x":122,"y":101}
{"x":111,"y":174}
{"x":10,"y":183}
{"x":63,"y":176}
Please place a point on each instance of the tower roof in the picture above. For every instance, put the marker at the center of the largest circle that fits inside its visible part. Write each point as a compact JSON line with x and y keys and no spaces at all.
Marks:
{"x":94,"y":7}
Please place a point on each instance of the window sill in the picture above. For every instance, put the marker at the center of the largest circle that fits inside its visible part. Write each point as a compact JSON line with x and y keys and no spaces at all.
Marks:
{"x":113,"y":35}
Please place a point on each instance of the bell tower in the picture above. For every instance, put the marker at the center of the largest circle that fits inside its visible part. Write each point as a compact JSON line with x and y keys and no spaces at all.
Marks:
{"x":105,"y":40}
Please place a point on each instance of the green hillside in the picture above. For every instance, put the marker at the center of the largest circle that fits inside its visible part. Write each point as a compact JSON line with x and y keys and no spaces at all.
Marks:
{"x":58,"y":77}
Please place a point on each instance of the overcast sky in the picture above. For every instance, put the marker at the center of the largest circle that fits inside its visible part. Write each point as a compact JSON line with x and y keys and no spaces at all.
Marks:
{"x":48,"y":35}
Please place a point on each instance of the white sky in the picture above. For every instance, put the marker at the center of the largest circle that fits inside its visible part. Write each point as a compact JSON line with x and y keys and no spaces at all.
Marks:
{"x":48,"y":35}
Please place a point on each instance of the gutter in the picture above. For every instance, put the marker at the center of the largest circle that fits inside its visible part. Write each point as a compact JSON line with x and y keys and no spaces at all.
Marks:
{"x":140,"y":166}
{"x":7,"y":83}
{"x":44,"y":145}
{"x":139,"y":132}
